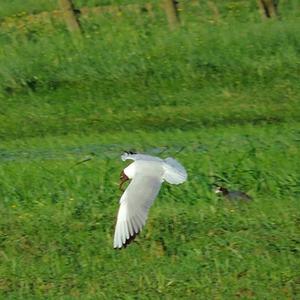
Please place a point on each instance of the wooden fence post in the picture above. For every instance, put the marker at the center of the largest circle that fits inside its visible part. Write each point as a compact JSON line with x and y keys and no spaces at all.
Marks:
{"x":172,"y":13}
{"x":268,"y":8}
{"x":214,"y":8}
{"x":70,"y":16}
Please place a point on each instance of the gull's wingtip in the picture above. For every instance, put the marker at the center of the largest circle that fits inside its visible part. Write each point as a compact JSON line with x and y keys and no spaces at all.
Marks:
{"x":128,"y":241}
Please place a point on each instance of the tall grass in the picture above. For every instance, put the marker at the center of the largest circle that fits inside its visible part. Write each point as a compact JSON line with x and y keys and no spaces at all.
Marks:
{"x":223,"y":72}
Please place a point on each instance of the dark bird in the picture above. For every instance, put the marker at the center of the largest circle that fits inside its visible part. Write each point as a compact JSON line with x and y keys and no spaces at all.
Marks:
{"x":232,"y":195}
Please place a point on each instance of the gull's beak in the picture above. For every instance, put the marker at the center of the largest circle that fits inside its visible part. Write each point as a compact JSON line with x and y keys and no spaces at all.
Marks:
{"x":123,"y":179}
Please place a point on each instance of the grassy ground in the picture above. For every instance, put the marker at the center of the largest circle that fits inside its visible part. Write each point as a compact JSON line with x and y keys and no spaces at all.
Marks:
{"x":221,"y":95}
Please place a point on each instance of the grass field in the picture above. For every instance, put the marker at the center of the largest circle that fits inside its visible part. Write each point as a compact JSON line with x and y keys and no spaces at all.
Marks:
{"x":220,"y":95}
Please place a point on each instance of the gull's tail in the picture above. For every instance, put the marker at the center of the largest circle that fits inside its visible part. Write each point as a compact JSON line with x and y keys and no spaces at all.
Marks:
{"x":175,"y":173}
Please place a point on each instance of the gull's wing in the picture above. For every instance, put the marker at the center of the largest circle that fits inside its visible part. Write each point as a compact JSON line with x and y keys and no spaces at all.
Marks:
{"x":134,"y":205}
{"x":137,"y":156}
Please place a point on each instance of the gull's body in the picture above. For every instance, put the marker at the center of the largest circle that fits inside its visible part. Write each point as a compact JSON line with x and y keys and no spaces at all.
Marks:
{"x":147,"y":173}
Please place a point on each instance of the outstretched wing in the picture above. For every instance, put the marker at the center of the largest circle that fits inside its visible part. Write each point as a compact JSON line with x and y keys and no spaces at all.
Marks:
{"x":134,"y":205}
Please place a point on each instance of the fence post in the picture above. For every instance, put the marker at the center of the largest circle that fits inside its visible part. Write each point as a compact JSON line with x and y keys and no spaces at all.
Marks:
{"x":70,"y":16}
{"x":268,"y":8}
{"x":172,"y":13}
{"x":214,"y":8}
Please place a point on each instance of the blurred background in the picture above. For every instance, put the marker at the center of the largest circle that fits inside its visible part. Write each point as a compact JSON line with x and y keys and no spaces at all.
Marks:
{"x":213,"y":83}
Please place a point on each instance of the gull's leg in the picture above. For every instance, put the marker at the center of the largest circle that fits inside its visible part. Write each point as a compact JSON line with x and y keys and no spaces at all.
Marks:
{"x":123,"y":179}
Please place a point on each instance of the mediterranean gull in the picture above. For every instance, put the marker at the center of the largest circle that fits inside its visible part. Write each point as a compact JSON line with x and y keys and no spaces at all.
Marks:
{"x":147,"y":173}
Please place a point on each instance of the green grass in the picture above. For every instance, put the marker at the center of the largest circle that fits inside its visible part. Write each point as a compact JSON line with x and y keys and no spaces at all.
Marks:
{"x":58,"y":219}
{"x":215,"y":75}
{"x":220,"y":95}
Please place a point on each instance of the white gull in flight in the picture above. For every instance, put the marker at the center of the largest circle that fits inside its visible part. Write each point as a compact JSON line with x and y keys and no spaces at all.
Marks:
{"x":146,"y":173}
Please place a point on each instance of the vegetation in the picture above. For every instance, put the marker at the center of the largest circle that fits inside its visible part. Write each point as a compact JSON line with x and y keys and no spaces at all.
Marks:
{"x":221,"y":94}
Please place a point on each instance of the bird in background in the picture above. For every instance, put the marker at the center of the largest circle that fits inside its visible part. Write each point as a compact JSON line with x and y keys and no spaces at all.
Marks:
{"x":147,"y":173}
{"x":232,"y":195}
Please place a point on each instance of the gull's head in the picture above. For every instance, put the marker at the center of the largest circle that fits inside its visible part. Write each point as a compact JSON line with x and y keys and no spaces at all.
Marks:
{"x":127,"y":154}
{"x":220,"y":190}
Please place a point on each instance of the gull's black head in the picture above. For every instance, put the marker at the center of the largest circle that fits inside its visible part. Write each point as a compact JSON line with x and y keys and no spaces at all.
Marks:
{"x":221,"y":190}
{"x":130,"y":152}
